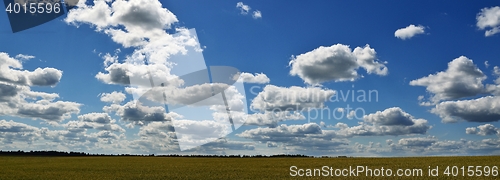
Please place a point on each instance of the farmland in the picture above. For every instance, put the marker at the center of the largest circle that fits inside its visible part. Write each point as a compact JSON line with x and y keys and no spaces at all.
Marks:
{"x":109,"y":167}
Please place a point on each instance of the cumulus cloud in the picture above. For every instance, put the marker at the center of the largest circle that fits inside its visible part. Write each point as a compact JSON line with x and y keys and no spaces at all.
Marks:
{"x":392,"y":121}
{"x":141,"y":15}
{"x":45,"y":77}
{"x":294,"y":98}
{"x":257,"y":14}
{"x":114,"y":97}
{"x":141,"y":25}
{"x":310,"y":136}
{"x":432,"y":146}
{"x":193,"y":133}
{"x":245,"y":9}
{"x":24,"y":57}
{"x":494,"y":88}
{"x":418,"y":141}
{"x":419,"y":126}
{"x":489,"y":18}
{"x":335,"y":63}
{"x":38,"y":77}
{"x":409,"y":31}
{"x":484,"y":109}
{"x":136,"y":113}
{"x":462,"y":79}
{"x":16,"y":135}
{"x":181,"y":134}
{"x":98,"y":121}
{"x":7,"y":92}
{"x":121,"y":73}
{"x":157,"y":136}
{"x":281,"y":133}
{"x":271,"y":144}
{"x":301,"y":137}
{"x":257,"y":78}
{"x":49,"y":111}
{"x":390,"y":116}
{"x":100,"y":118}
{"x":11,"y":132}
{"x":195,"y":95}
{"x":271,"y":119}
{"x":483,"y":130}
{"x":223,"y":146}
{"x":17,"y":98}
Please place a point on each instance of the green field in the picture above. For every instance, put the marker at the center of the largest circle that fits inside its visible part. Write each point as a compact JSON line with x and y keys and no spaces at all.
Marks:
{"x":17,"y":167}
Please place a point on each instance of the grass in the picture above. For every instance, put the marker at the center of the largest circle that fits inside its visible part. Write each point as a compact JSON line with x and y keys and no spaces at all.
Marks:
{"x":21,"y":167}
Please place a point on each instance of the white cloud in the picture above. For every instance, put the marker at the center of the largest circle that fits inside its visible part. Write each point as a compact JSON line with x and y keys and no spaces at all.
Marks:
{"x":271,"y":119}
{"x":137,"y":113}
{"x":418,"y":141}
{"x":142,"y":25}
{"x":192,"y":133}
{"x":74,"y":136}
{"x":271,"y":144}
{"x":494,"y":88}
{"x":10,"y":72}
{"x":222,"y":145}
{"x":257,"y":14}
{"x":335,"y":63}
{"x":409,"y":31}
{"x":392,"y":121}
{"x":432,"y":146}
{"x":101,"y":118}
{"x":496,"y":71}
{"x":183,"y":134}
{"x":489,"y":18}
{"x":366,"y":58}
{"x":484,"y":109}
{"x":282,"y":133}
{"x":483,"y":130}
{"x":11,"y":132}
{"x":390,"y":116}
{"x":17,"y":99}
{"x":24,"y":57}
{"x":109,"y":59}
{"x":139,"y":15}
{"x":419,"y":126}
{"x":114,"y":97}
{"x":461,"y":79}
{"x":157,"y":136}
{"x":243,"y":8}
{"x":121,"y":73}
{"x":48,"y":111}
{"x":45,"y":77}
{"x":195,"y":95}
{"x":97,"y":121}
{"x":258,"y":78}
{"x":295,"y":98}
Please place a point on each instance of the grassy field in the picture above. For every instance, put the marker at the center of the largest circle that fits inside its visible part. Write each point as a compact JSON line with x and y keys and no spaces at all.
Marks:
{"x":223,"y":168}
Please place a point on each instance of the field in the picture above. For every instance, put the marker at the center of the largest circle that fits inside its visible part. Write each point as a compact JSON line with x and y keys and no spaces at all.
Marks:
{"x":25,"y":167}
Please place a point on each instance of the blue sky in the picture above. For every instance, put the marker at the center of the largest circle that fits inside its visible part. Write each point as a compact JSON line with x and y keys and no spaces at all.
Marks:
{"x":443,"y":52}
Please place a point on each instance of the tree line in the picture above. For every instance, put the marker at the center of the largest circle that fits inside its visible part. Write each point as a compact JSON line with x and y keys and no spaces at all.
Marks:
{"x":63,"y":153}
{"x":71,"y":153}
